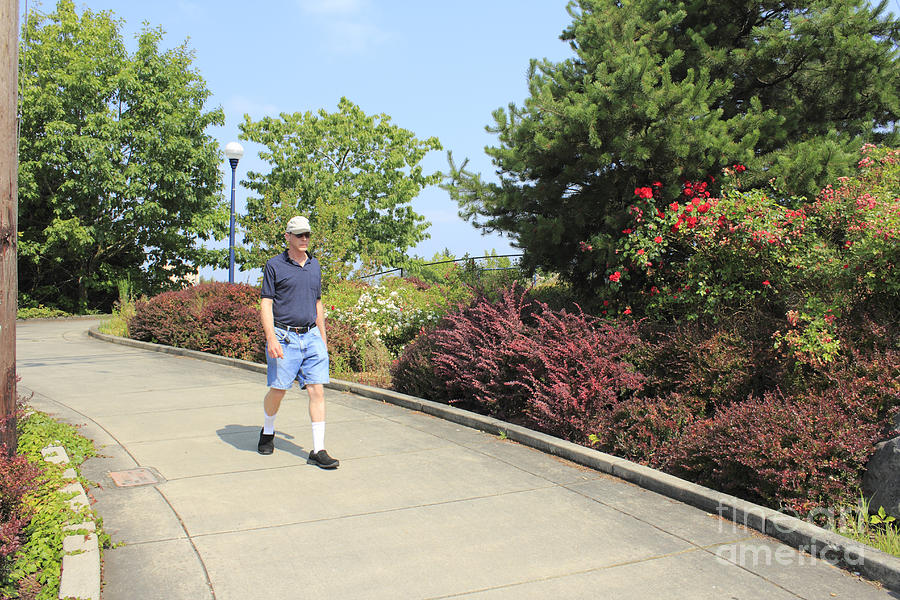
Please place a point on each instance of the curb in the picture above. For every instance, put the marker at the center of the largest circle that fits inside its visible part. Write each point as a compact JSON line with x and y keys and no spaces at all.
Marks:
{"x":80,"y":574}
{"x":802,"y":535}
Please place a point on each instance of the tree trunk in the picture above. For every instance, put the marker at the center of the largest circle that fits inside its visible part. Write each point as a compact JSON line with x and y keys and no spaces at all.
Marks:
{"x":9,"y":65}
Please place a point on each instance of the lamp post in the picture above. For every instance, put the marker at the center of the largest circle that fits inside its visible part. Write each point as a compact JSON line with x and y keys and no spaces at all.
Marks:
{"x":234,"y":152}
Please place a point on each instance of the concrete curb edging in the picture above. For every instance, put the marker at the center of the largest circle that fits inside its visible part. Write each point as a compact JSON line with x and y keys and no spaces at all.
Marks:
{"x":802,"y":535}
{"x":80,"y":574}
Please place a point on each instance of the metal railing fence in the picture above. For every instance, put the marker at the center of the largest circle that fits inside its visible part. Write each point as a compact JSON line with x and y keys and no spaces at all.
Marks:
{"x":469,"y":259}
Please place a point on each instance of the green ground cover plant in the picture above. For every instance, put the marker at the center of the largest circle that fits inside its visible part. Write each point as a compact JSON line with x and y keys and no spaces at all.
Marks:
{"x":32,"y":510}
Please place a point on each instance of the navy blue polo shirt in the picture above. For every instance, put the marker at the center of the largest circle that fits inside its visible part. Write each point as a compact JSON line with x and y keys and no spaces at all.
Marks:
{"x":294,"y":289}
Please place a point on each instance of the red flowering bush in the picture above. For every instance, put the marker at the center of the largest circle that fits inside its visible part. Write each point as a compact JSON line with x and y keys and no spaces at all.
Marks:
{"x":701,"y":255}
{"x":763,"y":256}
{"x":216,"y":317}
{"x":860,"y":219}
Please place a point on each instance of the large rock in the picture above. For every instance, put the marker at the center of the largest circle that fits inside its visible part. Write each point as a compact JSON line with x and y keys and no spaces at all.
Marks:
{"x":881,"y":482}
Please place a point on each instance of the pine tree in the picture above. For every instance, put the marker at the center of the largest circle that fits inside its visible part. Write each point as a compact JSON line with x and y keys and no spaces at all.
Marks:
{"x":667,"y":91}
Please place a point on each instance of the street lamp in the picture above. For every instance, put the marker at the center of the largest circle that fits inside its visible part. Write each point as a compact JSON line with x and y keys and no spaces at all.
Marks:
{"x":234,"y":152}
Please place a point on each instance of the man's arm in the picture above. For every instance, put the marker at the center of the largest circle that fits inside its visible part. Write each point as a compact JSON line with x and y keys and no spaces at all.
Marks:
{"x":320,"y":321}
{"x":268,"y":323}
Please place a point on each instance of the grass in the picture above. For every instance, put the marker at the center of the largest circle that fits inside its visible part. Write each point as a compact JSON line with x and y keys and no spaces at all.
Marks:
{"x":123,"y":311}
{"x":877,"y":530}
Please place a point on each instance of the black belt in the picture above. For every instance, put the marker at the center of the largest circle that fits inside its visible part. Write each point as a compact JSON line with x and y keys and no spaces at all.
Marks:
{"x":301,"y":329}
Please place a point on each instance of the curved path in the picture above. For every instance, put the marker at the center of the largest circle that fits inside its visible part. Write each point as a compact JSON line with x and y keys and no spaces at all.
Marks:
{"x":420,"y":507}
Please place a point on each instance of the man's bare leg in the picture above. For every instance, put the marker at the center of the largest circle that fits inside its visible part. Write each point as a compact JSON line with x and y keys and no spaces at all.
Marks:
{"x":272,"y":401}
{"x":316,"y":402}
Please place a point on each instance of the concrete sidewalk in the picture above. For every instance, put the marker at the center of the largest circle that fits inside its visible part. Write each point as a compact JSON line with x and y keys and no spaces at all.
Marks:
{"x":419,"y":508}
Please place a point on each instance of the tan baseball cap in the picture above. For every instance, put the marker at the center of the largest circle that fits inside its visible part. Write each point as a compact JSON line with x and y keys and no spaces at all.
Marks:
{"x":298,"y":225}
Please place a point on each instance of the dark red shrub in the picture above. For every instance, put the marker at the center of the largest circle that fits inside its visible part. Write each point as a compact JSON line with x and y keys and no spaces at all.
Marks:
{"x":233,"y":329}
{"x":214,"y":317}
{"x":787,"y":453}
{"x":478,"y":352}
{"x":171,"y":318}
{"x":419,"y":284}
{"x":240,"y":293}
{"x":18,"y":477}
{"x":705,"y":361}
{"x":867,"y":375}
{"x":576,"y":373}
{"x":413,"y":373}
{"x":865,"y":383}
{"x":642,"y":428}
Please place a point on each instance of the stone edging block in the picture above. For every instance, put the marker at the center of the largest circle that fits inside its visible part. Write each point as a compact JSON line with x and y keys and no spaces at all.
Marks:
{"x":80,"y":576}
{"x":804,"y":536}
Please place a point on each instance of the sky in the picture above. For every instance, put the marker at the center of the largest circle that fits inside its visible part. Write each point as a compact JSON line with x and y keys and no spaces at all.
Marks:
{"x":436,"y":68}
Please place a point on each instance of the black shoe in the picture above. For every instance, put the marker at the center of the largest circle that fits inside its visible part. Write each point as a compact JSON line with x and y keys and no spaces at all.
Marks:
{"x":322,"y":460}
{"x":266,"y":443}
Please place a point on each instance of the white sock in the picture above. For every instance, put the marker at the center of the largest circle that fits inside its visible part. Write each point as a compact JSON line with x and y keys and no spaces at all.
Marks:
{"x":268,"y":424}
{"x":318,"y":436}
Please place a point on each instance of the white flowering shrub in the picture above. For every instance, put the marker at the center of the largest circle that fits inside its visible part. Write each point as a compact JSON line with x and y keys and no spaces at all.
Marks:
{"x":389,"y":315}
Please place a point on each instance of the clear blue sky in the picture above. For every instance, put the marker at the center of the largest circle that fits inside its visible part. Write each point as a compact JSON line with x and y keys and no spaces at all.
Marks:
{"x":437,"y":68}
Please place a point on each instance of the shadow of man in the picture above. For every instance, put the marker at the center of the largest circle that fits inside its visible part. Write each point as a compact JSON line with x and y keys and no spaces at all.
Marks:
{"x":246,"y":437}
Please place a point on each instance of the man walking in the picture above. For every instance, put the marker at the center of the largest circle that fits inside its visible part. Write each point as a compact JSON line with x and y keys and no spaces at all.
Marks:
{"x":293,"y":320}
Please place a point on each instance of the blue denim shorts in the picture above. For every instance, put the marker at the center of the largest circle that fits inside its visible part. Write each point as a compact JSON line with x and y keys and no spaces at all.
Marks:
{"x":305,"y":359}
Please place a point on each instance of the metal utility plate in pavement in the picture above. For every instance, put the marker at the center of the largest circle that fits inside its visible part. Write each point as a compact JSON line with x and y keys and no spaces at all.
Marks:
{"x":133,"y":477}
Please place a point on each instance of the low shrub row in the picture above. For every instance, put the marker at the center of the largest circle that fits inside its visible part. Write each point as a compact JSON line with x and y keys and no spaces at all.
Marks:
{"x":698,"y":401}
{"x":212,"y":317}
{"x":367,"y":325}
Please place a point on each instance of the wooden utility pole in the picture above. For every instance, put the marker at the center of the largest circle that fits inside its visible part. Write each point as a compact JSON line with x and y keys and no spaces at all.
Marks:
{"x":9,"y":285}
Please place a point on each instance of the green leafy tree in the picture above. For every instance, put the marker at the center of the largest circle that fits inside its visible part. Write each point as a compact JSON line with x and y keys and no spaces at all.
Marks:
{"x":333,"y":241}
{"x":117,"y":177}
{"x":663,"y":91}
{"x":354,"y":176}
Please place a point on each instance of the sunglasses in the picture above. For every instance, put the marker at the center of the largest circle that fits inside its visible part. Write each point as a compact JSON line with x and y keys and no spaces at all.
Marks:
{"x":301,"y":235}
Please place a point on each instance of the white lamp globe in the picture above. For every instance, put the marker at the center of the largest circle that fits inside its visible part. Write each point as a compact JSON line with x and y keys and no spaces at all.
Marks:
{"x":234,"y":151}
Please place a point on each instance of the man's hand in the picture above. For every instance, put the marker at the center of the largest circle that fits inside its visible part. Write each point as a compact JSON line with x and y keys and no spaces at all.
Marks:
{"x":273,"y":348}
